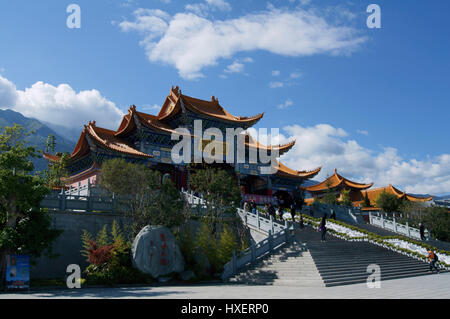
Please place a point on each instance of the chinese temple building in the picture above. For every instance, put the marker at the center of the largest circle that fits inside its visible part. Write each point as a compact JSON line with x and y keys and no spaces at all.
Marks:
{"x":374,"y":193}
{"x":146,"y":139}
{"x":336,"y":183}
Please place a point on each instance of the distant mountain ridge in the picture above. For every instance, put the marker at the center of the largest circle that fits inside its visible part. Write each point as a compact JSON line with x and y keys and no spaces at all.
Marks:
{"x":39,"y":138}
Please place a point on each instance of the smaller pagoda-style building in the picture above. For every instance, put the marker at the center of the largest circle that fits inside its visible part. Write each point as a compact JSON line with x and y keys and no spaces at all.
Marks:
{"x":373,"y":194}
{"x":336,"y":183}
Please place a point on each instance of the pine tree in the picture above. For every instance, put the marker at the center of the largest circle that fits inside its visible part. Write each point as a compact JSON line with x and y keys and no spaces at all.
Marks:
{"x":366,"y":201}
{"x":102,"y":237}
{"x":86,"y":238}
{"x":227,"y":243}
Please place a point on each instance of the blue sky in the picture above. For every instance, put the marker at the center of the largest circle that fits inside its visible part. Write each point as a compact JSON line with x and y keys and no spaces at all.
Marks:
{"x":371,"y":102}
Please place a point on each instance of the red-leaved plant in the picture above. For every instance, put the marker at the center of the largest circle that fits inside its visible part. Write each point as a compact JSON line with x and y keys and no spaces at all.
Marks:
{"x":99,"y":255}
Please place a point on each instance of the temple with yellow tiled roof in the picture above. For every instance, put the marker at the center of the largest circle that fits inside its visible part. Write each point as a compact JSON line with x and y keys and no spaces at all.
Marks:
{"x":374,"y":193}
{"x":146,"y":139}
{"x":336,"y":183}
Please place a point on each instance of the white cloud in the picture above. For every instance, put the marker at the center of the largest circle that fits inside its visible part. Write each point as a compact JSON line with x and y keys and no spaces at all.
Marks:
{"x":362,"y":132}
{"x":8,"y":93}
{"x":190,"y":42}
{"x":295,"y":75}
{"x":219,"y":4}
{"x":60,"y":105}
{"x":285,"y":105}
{"x":203,"y":9}
{"x":275,"y":73}
{"x":238,"y":65}
{"x":235,"y":67}
{"x":330,"y":147}
{"x":275,"y":85}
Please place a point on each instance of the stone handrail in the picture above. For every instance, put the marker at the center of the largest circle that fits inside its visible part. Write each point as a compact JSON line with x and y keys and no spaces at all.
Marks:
{"x":395,"y":227}
{"x":64,"y":202}
{"x":278,"y":235}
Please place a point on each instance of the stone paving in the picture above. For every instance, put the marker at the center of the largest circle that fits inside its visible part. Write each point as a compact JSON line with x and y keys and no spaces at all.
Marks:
{"x":425,"y":287}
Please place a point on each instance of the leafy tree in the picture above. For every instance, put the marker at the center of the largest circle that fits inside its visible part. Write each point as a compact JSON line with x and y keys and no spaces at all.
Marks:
{"x":24,"y":227}
{"x":437,"y":221}
{"x":135,"y":184}
{"x":167,"y":208}
{"x":220,"y":191}
{"x":329,"y":197}
{"x":57,"y":171}
{"x":149,"y":201}
{"x":388,"y":202}
{"x":346,"y":201}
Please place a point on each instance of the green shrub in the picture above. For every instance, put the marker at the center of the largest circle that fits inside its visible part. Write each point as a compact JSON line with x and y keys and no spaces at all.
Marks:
{"x":110,"y":259}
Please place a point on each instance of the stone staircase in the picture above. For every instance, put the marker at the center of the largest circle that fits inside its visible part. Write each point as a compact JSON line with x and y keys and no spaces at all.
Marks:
{"x":308,"y":262}
{"x":340,"y":262}
{"x":290,"y":266}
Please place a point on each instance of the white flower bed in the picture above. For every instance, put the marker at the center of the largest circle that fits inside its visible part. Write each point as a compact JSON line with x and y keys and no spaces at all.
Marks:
{"x":418,"y":249}
{"x":344,"y":230}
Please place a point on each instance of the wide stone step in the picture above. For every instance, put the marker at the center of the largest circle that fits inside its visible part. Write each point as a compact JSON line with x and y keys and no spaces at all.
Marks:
{"x":352,"y":281}
{"x":364,"y":269}
{"x":364,"y":264}
{"x":349,"y":263}
{"x":281,"y":282}
{"x":263,"y":273}
{"x":361,"y":275}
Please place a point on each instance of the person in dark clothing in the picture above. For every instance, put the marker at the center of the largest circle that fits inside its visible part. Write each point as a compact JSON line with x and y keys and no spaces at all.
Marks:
{"x":300,"y":221}
{"x":322,"y":227}
{"x":422,"y":231}
{"x":293,"y":212}
{"x":279,"y":213}
{"x":253,"y":206}
{"x":333,"y":214}
{"x":271,"y":211}
{"x":432,"y":259}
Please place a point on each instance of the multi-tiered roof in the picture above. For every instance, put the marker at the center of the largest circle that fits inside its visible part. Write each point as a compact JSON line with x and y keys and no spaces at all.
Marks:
{"x":174,"y":106}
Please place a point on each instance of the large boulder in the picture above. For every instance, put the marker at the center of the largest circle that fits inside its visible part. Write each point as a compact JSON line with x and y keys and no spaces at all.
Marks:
{"x":156,"y":252}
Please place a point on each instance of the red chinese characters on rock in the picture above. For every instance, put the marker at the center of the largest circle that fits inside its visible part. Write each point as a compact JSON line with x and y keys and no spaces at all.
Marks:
{"x":151,"y":251}
{"x":163,"y":259}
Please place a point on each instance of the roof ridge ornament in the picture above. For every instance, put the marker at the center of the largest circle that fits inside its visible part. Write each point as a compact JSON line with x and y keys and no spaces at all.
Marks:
{"x":176,"y":91}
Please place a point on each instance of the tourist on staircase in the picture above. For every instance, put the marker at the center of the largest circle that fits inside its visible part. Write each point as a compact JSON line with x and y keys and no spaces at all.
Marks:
{"x":300,"y":221}
{"x":432,"y":257}
{"x":253,"y":206}
{"x":333,"y":214}
{"x":279,"y":213}
{"x":293,"y":212}
{"x":271,"y":211}
{"x":322,"y":227}
{"x":422,"y":231}
{"x":245,"y":207}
